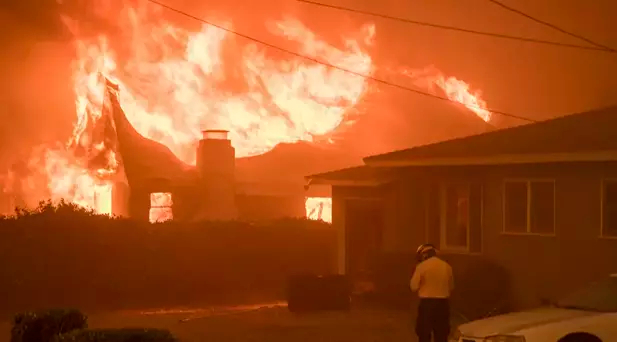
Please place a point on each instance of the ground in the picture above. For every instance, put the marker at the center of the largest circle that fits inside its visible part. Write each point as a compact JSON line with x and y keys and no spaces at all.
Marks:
{"x":273,"y":323}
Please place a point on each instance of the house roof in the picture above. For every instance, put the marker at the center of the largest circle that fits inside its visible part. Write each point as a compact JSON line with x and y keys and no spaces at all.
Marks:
{"x":145,"y":162}
{"x":289,"y":163}
{"x":583,"y":136}
{"x":356,"y":176}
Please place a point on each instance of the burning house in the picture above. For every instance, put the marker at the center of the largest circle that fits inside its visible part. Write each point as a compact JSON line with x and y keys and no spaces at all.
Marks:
{"x":219,"y":186}
{"x":149,"y":158}
{"x":157,"y":186}
{"x":144,"y":179}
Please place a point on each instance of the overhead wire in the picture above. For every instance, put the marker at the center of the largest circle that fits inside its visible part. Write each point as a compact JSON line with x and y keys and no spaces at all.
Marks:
{"x":547,"y":24}
{"x":599,"y":48}
{"x":312,"y":59}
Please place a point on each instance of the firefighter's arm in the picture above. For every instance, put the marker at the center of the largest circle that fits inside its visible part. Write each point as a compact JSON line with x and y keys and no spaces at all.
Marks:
{"x":416,"y":279}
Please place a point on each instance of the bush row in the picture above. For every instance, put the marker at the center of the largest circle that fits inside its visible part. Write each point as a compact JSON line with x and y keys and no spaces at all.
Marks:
{"x":71,"y":326}
{"x":62,"y":256}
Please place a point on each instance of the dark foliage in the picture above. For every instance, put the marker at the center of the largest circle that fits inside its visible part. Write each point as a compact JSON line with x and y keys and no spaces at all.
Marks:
{"x":481,"y":286}
{"x":118,"y":335}
{"x":44,"y":326}
{"x":61,"y":255}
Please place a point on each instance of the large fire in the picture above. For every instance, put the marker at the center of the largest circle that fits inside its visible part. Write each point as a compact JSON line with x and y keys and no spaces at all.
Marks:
{"x":175,"y":81}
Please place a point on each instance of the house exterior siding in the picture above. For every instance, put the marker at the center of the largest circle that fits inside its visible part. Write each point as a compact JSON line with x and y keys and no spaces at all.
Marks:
{"x":539,"y":266}
{"x":534,"y":266}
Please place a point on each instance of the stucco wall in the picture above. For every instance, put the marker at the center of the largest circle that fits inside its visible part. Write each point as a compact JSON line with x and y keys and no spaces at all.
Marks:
{"x":539,"y":266}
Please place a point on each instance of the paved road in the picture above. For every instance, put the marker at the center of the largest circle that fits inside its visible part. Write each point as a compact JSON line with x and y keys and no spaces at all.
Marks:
{"x":272,"y":323}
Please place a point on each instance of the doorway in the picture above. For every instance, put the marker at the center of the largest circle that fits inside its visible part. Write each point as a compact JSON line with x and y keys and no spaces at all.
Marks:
{"x":364,"y":224}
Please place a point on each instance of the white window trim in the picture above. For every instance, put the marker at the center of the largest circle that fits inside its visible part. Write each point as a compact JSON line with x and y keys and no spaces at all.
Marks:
{"x":602,"y":205}
{"x":528,"y":182}
{"x":443,"y":220}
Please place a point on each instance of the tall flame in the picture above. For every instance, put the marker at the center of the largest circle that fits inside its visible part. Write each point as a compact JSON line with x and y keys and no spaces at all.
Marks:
{"x":175,"y":82}
{"x":170,"y":94}
{"x":456,"y":90}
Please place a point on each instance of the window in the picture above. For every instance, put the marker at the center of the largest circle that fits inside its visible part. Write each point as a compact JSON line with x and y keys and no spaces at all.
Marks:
{"x":318,"y":208}
{"x":460,"y":217}
{"x":160,"y":207}
{"x":529,"y":207}
{"x":609,"y":209}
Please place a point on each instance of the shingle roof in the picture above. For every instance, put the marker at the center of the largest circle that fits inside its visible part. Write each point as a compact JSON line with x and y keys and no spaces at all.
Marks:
{"x":591,"y":131}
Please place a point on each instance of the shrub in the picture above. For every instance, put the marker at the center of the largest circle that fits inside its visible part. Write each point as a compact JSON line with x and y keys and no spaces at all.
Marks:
{"x":482,"y":287}
{"x":61,"y":256}
{"x":118,"y":335}
{"x":45,"y":326}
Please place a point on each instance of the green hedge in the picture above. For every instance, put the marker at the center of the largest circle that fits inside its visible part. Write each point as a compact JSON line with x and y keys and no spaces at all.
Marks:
{"x":60,"y":256}
{"x":118,"y":335}
{"x":44,"y":326}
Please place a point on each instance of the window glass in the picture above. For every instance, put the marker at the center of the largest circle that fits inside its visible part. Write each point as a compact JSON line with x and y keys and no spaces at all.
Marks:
{"x":542,"y":207}
{"x":609,"y":210}
{"x":457,"y":215}
{"x":515,"y":216}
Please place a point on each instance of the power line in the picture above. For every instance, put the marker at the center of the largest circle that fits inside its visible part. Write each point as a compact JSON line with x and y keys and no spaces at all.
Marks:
{"x":458,"y":29}
{"x":554,"y":27}
{"x":377,"y":80}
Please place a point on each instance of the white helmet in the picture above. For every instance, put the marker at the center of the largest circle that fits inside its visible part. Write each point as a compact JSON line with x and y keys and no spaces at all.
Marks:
{"x":425,"y":251}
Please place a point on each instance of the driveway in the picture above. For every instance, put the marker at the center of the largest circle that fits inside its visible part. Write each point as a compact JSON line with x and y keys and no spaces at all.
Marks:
{"x":270,"y":323}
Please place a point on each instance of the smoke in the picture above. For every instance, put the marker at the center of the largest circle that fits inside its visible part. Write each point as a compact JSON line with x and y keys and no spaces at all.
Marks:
{"x":35,"y":94}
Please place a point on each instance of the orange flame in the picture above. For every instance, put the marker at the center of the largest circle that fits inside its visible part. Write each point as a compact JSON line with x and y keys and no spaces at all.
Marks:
{"x":271,"y":102}
{"x":175,"y":82}
{"x":455,"y":89}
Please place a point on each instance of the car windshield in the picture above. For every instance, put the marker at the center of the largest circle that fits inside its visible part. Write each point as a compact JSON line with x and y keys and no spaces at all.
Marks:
{"x":600,"y":296}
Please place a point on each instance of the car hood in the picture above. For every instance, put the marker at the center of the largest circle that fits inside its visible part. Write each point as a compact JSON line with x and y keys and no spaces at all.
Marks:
{"x":514,"y":322}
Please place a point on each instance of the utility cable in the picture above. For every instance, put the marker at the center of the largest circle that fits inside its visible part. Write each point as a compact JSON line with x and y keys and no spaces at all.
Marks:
{"x":547,"y":24}
{"x":459,"y":29}
{"x":312,"y":59}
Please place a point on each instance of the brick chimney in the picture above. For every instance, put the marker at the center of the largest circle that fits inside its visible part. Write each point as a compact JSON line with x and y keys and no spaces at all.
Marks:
{"x":216,"y":159}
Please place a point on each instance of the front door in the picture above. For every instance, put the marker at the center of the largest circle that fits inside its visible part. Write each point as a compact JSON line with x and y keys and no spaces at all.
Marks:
{"x":364,"y":221}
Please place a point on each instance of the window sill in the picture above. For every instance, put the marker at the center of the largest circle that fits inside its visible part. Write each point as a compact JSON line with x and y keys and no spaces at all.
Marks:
{"x":529,"y":234}
{"x":457,"y":251}
{"x":608,"y":237}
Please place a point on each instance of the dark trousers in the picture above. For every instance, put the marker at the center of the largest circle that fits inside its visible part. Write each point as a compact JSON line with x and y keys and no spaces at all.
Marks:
{"x":433,"y":320}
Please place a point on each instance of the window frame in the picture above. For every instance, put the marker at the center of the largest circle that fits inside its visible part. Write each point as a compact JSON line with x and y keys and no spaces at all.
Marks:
{"x":528,"y":182}
{"x":443,"y":193}
{"x":603,"y":205}
{"x":170,"y":207}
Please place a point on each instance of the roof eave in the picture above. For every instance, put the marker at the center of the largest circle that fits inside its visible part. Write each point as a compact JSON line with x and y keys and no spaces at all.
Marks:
{"x":345,"y":182}
{"x":504,"y":159}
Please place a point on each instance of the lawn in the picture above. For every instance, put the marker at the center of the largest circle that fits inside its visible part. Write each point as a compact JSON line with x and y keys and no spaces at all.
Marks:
{"x":273,"y":323}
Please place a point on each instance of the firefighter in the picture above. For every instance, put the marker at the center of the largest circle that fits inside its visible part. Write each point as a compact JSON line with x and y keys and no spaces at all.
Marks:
{"x":433,"y":281}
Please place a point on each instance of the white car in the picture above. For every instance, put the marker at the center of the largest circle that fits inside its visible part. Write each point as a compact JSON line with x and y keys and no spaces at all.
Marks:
{"x":589,"y":315}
